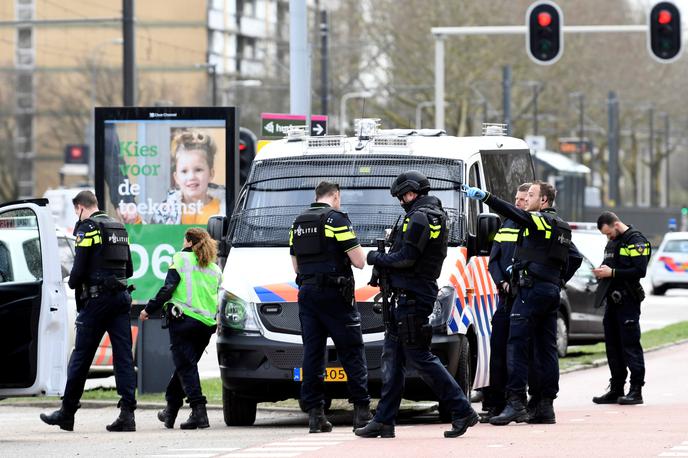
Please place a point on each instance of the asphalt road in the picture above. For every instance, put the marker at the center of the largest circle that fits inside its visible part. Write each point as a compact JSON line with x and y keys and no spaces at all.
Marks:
{"x":657,"y":428}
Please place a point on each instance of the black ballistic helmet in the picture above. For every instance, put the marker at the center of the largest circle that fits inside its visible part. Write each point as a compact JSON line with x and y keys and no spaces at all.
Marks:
{"x":411,"y":180}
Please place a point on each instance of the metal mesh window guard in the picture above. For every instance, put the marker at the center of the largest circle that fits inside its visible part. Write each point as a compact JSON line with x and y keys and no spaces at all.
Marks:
{"x":278,"y":190}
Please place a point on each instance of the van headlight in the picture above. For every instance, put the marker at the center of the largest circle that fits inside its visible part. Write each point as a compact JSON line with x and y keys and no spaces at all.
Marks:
{"x":443,"y":307}
{"x":237,"y":313}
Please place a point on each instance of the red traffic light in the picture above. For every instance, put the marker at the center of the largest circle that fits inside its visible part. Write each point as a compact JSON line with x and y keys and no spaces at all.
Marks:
{"x":76,"y":152}
{"x":664,"y":17}
{"x":544,"y":19}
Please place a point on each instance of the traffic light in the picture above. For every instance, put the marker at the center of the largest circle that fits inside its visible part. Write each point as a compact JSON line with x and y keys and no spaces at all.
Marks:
{"x":76,"y":154}
{"x":544,"y":40}
{"x":247,"y":151}
{"x":664,"y":38}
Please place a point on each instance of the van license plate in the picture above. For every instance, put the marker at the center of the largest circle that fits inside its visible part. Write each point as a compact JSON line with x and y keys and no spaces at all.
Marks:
{"x":332,"y":374}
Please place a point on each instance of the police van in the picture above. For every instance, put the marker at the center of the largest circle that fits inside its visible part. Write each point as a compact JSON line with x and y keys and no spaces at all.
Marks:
{"x":34,"y":315}
{"x":259,"y":335}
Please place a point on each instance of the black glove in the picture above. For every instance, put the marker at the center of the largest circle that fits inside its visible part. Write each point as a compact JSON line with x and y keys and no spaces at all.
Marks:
{"x":372,"y":257}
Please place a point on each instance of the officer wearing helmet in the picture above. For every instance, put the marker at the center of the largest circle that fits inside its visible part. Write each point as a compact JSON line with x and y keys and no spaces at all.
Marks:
{"x":413,"y":266}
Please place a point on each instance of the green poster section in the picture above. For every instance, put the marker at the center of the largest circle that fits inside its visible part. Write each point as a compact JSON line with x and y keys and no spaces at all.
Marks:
{"x":152,"y":247}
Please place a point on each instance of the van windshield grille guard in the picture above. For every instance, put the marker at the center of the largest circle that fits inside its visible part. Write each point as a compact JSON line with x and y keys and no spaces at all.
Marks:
{"x":352,"y":171}
{"x":278,"y":190}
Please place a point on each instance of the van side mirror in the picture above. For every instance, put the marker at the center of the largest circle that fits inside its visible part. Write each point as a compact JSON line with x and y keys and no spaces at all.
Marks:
{"x":488,"y":225}
{"x":218,"y":228}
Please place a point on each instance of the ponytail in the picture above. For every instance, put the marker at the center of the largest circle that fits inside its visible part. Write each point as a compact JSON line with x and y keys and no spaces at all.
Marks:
{"x":203,"y":246}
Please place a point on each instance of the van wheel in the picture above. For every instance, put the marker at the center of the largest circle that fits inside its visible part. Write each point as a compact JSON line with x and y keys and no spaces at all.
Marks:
{"x":562,"y":335}
{"x":659,"y":290}
{"x":238,"y":411}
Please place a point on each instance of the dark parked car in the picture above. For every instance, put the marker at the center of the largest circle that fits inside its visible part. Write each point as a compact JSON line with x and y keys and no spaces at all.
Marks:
{"x":579,"y":322}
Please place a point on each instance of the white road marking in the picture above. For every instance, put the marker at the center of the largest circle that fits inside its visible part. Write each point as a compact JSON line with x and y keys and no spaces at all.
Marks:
{"x":577,"y":419}
{"x":186,"y":455}
{"x":267,"y":448}
{"x":673,"y":454}
{"x":261,"y":454}
{"x":304,"y":443}
{"x":225,"y":449}
{"x":495,"y":446}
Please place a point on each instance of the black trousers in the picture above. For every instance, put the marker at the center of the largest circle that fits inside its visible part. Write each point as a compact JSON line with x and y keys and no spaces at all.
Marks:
{"x":109,"y":312}
{"x":622,"y":341}
{"x":324,"y":312}
{"x":188,"y":338}
{"x":495,"y":393}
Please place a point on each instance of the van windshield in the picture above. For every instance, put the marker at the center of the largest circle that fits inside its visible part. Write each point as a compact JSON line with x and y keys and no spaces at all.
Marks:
{"x":278,"y":190}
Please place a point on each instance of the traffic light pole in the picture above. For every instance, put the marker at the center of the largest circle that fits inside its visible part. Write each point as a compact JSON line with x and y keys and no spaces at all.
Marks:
{"x":441,"y":33}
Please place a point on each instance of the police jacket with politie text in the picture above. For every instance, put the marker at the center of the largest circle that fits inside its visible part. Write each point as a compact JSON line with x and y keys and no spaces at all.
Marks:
{"x":320,"y":238}
{"x":418,"y":249}
{"x":101,"y":251}
{"x":502,"y":254}
{"x":544,"y":248}
{"x":628,"y":256}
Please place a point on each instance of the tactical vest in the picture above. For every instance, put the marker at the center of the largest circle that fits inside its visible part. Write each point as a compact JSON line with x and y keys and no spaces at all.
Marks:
{"x":315,"y":253}
{"x":112,"y":257}
{"x":548,"y":245}
{"x":196,"y":292}
{"x":429,"y":265}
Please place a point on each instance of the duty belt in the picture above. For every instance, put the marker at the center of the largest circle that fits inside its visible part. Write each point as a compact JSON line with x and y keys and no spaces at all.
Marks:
{"x":325,"y":280}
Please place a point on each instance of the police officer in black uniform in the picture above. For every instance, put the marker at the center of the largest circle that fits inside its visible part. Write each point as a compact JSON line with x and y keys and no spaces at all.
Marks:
{"x":414,"y":263}
{"x":545,"y":259}
{"x":323,"y":247}
{"x":500,"y":265}
{"x":625,"y":263}
{"x":102,"y":264}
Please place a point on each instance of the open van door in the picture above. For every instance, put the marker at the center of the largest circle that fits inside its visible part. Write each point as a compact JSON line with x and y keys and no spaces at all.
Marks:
{"x":33,"y":305}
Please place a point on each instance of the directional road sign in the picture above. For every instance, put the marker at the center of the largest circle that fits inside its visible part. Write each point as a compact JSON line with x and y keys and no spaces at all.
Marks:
{"x":274,"y":125}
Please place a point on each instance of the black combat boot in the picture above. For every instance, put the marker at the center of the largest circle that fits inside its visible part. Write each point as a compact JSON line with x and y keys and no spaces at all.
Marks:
{"x":169,"y":414}
{"x":317,"y":421}
{"x":197,"y":419}
{"x":362,"y":415}
{"x":634,"y":396}
{"x":461,"y":425}
{"x":610,"y":397}
{"x":124,"y":422}
{"x":543,"y":413}
{"x":491,"y":412}
{"x":62,"y":418}
{"x":515,"y":410}
{"x":531,"y":405}
{"x":375,"y":429}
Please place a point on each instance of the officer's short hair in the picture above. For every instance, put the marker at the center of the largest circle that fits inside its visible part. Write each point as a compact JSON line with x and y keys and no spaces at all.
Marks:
{"x":546,"y":190}
{"x":607,"y":219}
{"x":325,"y":188}
{"x":524,"y":187}
{"x":85,"y":198}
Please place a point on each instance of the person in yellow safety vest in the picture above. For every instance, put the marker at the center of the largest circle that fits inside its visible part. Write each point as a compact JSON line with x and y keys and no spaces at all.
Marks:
{"x":189,"y":301}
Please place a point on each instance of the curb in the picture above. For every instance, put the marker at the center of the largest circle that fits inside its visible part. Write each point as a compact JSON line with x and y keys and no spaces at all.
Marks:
{"x":160,"y":405}
{"x":603,"y":361}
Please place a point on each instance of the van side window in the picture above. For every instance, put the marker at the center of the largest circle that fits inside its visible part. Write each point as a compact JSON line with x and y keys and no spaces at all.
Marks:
{"x":5,"y":264}
{"x":474,"y":206}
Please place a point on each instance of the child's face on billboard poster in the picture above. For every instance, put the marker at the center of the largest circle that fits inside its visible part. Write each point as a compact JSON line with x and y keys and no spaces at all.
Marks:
{"x":192,"y":175}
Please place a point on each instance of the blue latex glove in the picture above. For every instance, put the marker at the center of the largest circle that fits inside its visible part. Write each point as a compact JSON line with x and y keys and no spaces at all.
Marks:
{"x":474,"y":193}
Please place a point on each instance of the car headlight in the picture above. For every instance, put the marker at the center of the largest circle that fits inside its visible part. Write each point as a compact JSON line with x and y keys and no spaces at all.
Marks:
{"x":443,"y":307}
{"x":237,"y":313}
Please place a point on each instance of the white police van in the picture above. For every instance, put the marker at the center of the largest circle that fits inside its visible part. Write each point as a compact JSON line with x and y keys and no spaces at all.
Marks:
{"x":259,"y":334}
{"x":34,"y":316}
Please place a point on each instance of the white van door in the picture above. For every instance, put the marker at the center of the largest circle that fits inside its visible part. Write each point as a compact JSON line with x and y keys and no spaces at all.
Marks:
{"x":33,"y":304}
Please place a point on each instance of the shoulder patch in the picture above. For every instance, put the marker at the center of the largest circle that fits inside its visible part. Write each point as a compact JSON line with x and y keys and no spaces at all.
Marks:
{"x":640,"y":247}
{"x":79,"y":237}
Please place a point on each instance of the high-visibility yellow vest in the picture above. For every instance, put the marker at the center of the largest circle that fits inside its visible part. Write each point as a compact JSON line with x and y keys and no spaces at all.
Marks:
{"x":196,"y":293}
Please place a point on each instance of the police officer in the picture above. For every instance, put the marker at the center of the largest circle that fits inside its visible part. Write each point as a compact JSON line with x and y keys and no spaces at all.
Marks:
{"x":625,"y":263}
{"x":500,"y":265}
{"x":189,"y":299}
{"x":545,"y":258}
{"x":323,"y":246}
{"x":102,"y":264}
{"x":414,"y":264}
